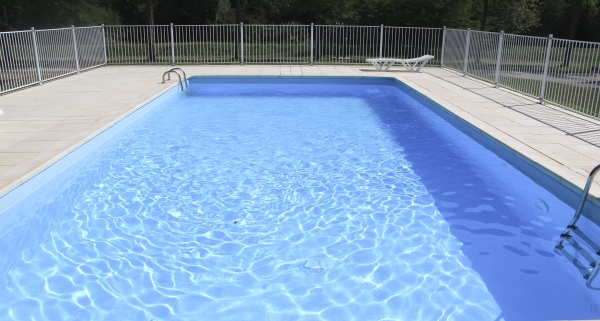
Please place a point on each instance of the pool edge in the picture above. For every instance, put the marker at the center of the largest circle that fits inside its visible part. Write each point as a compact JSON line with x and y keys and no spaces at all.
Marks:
{"x":53,"y":160}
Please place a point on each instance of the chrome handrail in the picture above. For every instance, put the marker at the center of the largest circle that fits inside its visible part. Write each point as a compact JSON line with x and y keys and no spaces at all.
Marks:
{"x":571,"y":227}
{"x":183,"y":72}
{"x":168,"y":73}
{"x":175,"y":70}
{"x":580,"y":206}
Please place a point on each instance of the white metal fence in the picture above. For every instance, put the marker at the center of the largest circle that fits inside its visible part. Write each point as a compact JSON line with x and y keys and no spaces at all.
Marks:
{"x":266,"y":44}
{"x":563,"y":72}
{"x":34,"y":56}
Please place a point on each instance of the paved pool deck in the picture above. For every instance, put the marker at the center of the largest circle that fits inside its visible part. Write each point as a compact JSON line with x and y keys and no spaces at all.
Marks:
{"x":41,"y":124}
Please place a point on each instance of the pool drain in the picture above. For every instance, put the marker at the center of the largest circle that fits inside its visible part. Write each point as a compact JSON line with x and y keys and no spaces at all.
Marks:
{"x":313,"y":265}
{"x":541,"y":205}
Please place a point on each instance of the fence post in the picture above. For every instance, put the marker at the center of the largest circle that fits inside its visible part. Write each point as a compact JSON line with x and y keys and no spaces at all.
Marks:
{"x":467,"y":43}
{"x":312,"y":32}
{"x":37,"y":56}
{"x":443,"y":46}
{"x":381,"y":42}
{"x":104,"y":41}
{"x":172,"y":47}
{"x":546,"y":66}
{"x":75,"y":48}
{"x":499,"y":59}
{"x":241,"y":43}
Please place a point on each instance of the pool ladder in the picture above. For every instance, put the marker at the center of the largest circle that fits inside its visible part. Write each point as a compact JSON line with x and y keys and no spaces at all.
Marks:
{"x":176,"y":71}
{"x":587,"y":263}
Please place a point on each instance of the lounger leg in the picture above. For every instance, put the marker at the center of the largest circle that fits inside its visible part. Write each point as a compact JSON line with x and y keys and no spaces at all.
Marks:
{"x":378,"y":65}
{"x":383,"y":65}
{"x":416,"y":67}
{"x":389,"y":65}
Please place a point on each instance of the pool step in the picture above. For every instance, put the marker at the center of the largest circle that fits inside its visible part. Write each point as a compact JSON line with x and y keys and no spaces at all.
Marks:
{"x":585,"y":252}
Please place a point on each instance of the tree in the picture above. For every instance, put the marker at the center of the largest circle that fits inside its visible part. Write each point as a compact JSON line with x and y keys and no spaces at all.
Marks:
{"x":238,"y":20}
{"x":185,"y":12}
{"x":589,"y":26}
{"x":150,"y":22}
{"x":517,"y":16}
{"x":573,"y":19}
{"x":484,"y":13}
{"x":576,"y":8}
{"x":512,"y":16}
{"x":223,"y":15}
{"x":265,"y":11}
{"x":20,"y":15}
{"x":238,"y":12}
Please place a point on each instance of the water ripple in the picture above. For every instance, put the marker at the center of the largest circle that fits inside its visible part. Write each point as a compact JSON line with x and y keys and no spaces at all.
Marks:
{"x":218,"y":218}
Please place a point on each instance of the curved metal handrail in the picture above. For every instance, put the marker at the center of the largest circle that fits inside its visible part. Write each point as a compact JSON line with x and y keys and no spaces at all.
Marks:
{"x":184,"y":76}
{"x":168,"y":73}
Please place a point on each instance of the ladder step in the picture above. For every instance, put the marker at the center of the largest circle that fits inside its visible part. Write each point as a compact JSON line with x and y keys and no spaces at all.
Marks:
{"x":593,"y":245}
{"x":582,"y":267}
{"x":580,"y":252}
{"x":593,"y":273}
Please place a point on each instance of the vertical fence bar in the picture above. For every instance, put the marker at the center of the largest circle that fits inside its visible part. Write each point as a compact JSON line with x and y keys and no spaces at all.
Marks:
{"x":443,"y":47}
{"x":577,"y":70}
{"x":466,"y":58}
{"x":381,"y":42}
{"x":241,"y":43}
{"x":585,"y":62}
{"x":172,"y":46}
{"x":312,"y":47}
{"x":37,"y":56}
{"x":546,"y":66}
{"x":499,"y":59}
{"x":104,"y":43}
{"x":76,"y":50}
{"x":590,"y":62}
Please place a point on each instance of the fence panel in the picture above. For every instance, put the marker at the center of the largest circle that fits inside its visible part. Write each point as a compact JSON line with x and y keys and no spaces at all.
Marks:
{"x":17,"y":60}
{"x":403,"y":43}
{"x":268,"y":44}
{"x":56,"y":53}
{"x":454,"y":49}
{"x":483,"y":55}
{"x":132,"y":45}
{"x":219,"y":44}
{"x":340,"y":44}
{"x":90,"y":47}
{"x":573,"y":79}
{"x":522,"y":64}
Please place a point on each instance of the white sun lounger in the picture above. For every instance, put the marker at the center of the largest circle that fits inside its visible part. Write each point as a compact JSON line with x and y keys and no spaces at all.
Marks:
{"x":413,"y":64}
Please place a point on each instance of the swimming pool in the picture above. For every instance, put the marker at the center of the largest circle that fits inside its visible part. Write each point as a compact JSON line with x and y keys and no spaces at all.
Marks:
{"x":287,"y":198}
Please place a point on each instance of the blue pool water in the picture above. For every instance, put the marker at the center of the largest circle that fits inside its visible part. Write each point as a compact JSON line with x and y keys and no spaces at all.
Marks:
{"x":286,"y":199}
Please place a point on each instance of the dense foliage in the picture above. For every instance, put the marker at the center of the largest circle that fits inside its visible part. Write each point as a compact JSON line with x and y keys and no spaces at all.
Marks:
{"x":575,"y":19}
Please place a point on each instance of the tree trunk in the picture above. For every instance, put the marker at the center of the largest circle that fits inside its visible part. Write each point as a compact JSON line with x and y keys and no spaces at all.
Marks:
{"x":484,"y":14}
{"x":150,"y":20}
{"x":238,"y":12}
{"x":238,"y":20}
{"x":573,"y":23}
{"x":5,"y":25}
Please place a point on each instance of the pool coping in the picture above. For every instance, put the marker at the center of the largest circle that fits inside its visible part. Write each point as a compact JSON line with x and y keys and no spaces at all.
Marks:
{"x":469,"y":100}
